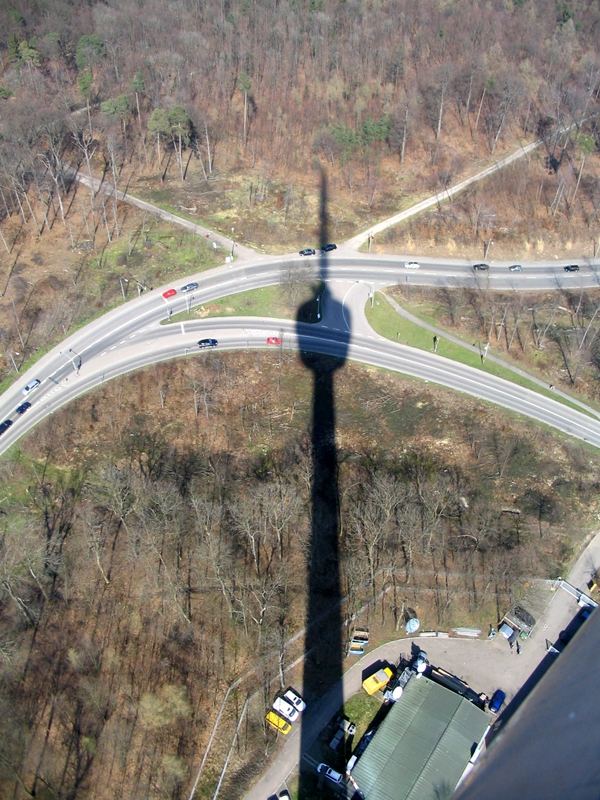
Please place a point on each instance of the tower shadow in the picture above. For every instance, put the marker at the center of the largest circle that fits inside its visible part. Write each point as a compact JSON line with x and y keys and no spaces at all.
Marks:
{"x":323,"y":647}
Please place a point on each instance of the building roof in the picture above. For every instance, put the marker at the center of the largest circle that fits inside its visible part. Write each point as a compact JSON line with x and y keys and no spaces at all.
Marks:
{"x":422,"y":747}
{"x":549,"y":747}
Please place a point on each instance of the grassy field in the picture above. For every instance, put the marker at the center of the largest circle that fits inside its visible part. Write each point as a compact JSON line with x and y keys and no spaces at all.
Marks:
{"x":387,"y":322}
{"x":270,"y":301}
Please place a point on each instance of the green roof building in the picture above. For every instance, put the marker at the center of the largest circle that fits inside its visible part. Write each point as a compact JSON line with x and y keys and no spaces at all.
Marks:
{"x":423,"y":746}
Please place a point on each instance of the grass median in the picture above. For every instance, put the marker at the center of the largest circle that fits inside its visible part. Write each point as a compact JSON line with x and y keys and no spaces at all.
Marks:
{"x":388,"y":323}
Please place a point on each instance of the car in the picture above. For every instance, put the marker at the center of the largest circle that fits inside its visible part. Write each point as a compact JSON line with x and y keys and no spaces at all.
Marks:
{"x":294,"y":698}
{"x":412,"y":265}
{"x":278,"y":723}
{"x":585,"y":612}
{"x":31,"y":386}
{"x":202,"y":343}
{"x":284,"y":795}
{"x":481,"y":267}
{"x":571,"y":268}
{"x":285,"y":709}
{"x":308,"y":251}
{"x":497,"y":700}
{"x":274,"y":340}
{"x":362,"y":745}
{"x":4,"y":426}
{"x":379,"y":680}
{"x":23,"y":407}
{"x":329,"y":773}
{"x":189,"y":287}
{"x":327,"y":248}
{"x":169,"y":293}
{"x":515,"y":268}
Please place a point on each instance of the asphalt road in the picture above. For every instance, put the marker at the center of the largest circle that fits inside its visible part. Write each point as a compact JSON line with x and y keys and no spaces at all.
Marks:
{"x":131,"y":335}
{"x":485,"y":665}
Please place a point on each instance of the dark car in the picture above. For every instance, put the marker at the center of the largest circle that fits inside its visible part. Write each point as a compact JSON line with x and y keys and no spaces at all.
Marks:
{"x":23,"y":407}
{"x":497,"y":700}
{"x":481,"y":267}
{"x":327,"y":248}
{"x":4,"y":426}
{"x":189,"y":287}
{"x":571,"y":268}
{"x":308,"y":251}
{"x":207,"y":343}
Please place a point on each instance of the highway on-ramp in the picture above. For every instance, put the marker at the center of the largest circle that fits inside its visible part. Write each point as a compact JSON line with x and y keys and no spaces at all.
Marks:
{"x":132,"y":336}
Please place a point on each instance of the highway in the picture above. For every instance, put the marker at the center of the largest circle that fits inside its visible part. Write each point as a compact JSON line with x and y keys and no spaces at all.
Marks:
{"x":132,"y":336}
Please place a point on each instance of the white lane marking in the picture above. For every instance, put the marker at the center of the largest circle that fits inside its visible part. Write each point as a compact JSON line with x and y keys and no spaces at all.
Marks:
{"x":344,"y":304}
{"x":113,"y":347}
{"x":182,"y":328}
{"x":132,"y":335}
{"x":122,"y":341}
{"x":103,"y":353}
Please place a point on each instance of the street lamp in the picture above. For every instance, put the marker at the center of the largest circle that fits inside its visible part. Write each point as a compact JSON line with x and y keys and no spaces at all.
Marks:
{"x":318,"y":307}
{"x":121,"y":282}
{"x":232,"y":240}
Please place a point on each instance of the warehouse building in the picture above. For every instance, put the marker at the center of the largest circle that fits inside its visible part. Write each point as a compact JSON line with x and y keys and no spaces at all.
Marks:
{"x":427,"y":742}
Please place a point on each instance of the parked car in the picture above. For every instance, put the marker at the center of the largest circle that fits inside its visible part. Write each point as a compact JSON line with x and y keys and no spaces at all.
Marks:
{"x":189,"y":287}
{"x":329,"y":773}
{"x":285,"y":709}
{"x":412,"y":265}
{"x":308,"y":251}
{"x":4,"y":426}
{"x":202,"y":343}
{"x":294,"y":698}
{"x":327,"y":248}
{"x":31,"y":386}
{"x":481,"y":267}
{"x":278,"y":723}
{"x":497,"y":700}
{"x":284,"y":795}
{"x":274,"y":340}
{"x":379,"y":680}
{"x":515,"y":268}
{"x":169,"y":293}
{"x":571,"y":268}
{"x":23,"y":407}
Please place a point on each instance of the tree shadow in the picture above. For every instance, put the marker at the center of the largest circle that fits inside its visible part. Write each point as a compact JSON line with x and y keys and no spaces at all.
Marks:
{"x":323,"y":648}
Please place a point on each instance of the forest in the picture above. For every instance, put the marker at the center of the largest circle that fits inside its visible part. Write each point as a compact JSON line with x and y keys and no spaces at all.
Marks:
{"x":153,"y":551}
{"x":153,"y":535}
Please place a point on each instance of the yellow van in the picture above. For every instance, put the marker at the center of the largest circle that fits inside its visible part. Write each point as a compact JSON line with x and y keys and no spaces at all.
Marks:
{"x":278,"y":723}
{"x":379,"y":680}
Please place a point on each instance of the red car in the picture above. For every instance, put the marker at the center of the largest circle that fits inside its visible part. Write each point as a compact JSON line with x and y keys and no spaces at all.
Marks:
{"x":274,"y":340}
{"x":169,"y":293}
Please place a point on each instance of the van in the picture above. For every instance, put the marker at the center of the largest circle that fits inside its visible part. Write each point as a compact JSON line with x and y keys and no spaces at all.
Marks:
{"x":378,"y":681}
{"x":31,"y":386}
{"x":278,"y":723}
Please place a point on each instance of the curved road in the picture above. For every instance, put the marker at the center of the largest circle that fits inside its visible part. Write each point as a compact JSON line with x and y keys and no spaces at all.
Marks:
{"x":131,"y":335}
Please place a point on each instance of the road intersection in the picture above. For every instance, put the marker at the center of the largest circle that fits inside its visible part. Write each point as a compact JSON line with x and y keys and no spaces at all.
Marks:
{"x":133,"y":335}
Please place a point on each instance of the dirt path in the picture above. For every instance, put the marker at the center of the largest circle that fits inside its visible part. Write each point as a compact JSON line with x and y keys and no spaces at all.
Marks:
{"x":441,"y":197}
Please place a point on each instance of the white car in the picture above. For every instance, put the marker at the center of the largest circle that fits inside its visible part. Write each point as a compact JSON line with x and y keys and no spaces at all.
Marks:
{"x":294,"y":698}
{"x":412,"y":265}
{"x":330,"y":773}
{"x":285,"y":709}
{"x":31,"y":386}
